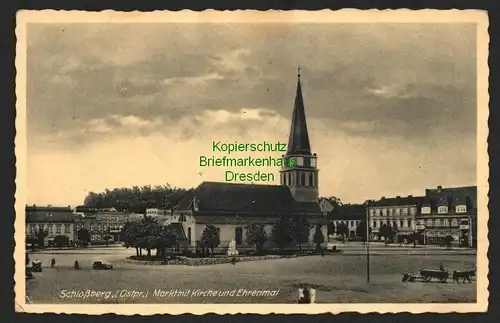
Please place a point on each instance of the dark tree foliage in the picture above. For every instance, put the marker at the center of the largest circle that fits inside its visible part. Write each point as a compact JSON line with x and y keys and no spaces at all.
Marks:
{"x":256,"y":235}
{"x":210,"y":238}
{"x":148,"y":234}
{"x":136,"y":199}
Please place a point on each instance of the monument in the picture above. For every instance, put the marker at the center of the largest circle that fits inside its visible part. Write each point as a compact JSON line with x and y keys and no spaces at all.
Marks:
{"x":232,"y":251}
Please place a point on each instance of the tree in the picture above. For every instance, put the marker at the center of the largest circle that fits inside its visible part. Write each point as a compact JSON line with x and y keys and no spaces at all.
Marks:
{"x":342,"y":229}
{"x":210,"y":238}
{"x":318,"y":238}
{"x":40,"y":237}
{"x":166,"y":238}
{"x":83,"y":236}
{"x":300,"y":230}
{"x":132,"y":233}
{"x":331,"y":228}
{"x":361,"y":230}
{"x":136,"y":199}
{"x":61,"y":241}
{"x":256,"y":235}
{"x":387,"y":232}
{"x":282,"y":234}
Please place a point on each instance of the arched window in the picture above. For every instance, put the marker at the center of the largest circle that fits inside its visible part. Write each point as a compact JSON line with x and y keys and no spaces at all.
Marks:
{"x":302,"y":179}
{"x":238,"y":235}
{"x":311,"y":179}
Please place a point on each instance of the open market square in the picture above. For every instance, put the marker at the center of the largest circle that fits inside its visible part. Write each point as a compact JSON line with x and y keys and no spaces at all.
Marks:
{"x":336,"y":278}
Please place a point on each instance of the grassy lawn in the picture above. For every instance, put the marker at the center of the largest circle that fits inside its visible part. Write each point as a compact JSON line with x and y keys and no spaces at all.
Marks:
{"x":338,"y":279}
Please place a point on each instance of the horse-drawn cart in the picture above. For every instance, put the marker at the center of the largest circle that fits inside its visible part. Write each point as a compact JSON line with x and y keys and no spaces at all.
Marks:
{"x":426,"y":275}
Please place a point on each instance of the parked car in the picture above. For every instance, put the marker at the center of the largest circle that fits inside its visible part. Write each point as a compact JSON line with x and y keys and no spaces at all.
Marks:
{"x":100,"y":264}
{"x":36,"y":266}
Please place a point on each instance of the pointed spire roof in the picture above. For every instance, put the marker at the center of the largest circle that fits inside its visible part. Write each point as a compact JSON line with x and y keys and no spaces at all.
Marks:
{"x":298,"y":142}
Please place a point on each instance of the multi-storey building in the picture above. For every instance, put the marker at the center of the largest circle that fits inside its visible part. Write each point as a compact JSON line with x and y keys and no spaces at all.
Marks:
{"x":53,"y":220}
{"x":398,"y":212}
{"x":101,"y":223}
{"x":448,"y":212}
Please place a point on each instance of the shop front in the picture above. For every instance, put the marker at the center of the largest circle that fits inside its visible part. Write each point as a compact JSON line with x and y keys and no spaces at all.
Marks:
{"x":439,"y":237}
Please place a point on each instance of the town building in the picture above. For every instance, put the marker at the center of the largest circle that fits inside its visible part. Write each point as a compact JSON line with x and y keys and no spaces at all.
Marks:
{"x":448,"y":211}
{"x":231,"y":207}
{"x":160,"y":215}
{"x":54,"y":221}
{"x":101,"y":223}
{"x":348,"y":215}
{"x":397,"y":212}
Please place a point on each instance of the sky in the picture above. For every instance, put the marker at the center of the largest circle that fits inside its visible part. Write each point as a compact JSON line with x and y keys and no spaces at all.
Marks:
{"x":391,"y":108}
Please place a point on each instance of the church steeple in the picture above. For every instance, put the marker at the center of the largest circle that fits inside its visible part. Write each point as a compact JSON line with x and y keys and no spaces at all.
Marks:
{"x":299,"y":173}
{"x":298,"y":142}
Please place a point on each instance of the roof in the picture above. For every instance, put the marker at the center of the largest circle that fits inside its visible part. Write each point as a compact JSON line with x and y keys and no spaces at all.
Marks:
{"x":245,"y":199}
{"x":348,"y":212}
{"x":49,"y":208}
{"x":298,"y":142}
{"x":41,"y":216}
{"x":455,"y":195}
{"x":398,"y":201}
{"x":178,"y":230}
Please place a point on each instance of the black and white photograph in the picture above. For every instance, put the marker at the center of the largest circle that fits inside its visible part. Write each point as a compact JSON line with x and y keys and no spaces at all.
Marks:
{"x":332,"y":158}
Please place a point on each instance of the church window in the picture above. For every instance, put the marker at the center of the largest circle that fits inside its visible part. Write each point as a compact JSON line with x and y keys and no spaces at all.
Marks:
{"x":189,"y":235}
{"x":302,"y":179}
{"x":311,"y":179}
{"x":238,"y":235}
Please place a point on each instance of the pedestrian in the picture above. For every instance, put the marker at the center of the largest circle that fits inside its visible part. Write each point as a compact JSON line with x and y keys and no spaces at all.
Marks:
{"x":301,"y":296}
{"x":77,"y":265}
{"x":307,"y":296}
{"x":233,"y":261}
{"x":441,"y":267}
{"x":53,"y":263}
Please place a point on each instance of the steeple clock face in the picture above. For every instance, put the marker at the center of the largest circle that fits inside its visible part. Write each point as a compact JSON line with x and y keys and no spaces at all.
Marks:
{"x":300,"y":161}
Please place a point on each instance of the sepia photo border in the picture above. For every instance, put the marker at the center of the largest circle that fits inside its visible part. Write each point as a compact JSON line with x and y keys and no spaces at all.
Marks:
{"x":249,"y":16}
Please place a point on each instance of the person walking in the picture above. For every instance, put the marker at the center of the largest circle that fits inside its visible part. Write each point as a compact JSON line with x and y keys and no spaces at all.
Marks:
{"x":307,"y":296}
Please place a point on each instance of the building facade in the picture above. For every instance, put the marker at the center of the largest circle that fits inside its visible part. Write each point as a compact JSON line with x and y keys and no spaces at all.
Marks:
{"x":397,"y":212}
{"x":448,"y":212}
{"x":349,"y":215}
{"x":232,"y":207}
{"x":55,"y":221}
{"x":101,"y":224}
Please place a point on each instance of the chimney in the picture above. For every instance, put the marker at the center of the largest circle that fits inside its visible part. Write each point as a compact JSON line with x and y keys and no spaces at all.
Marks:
{"x":410,"y":195}
{"x":398,"y":197}
{"x":383,"y":198}
{"x":439,"y":188}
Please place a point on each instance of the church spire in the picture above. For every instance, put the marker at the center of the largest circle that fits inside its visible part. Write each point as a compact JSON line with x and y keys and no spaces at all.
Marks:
{"x":298,"y":142}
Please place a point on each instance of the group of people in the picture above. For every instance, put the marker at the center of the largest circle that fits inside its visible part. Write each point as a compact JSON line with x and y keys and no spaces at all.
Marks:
{"x":304,"y":295}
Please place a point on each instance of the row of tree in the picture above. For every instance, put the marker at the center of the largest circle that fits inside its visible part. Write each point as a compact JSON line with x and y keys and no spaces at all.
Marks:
{"x":136,"y":199}
{"x":149,"y":235}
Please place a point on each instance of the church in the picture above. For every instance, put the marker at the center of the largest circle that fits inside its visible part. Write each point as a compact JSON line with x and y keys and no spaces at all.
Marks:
{"x":230,"y":207}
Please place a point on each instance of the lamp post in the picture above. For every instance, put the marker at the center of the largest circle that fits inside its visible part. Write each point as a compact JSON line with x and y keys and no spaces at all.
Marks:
{"x":367,"y":242}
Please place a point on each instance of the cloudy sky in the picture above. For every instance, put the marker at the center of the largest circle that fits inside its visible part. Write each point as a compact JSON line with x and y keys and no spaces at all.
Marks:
{"x":391,"y":108}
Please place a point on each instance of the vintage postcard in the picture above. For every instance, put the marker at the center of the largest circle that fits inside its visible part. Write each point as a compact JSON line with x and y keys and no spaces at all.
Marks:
{"x":252,"y":162}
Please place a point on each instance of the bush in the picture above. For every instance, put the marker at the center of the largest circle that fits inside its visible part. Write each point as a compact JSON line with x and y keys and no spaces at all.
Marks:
{"x":61,"y":241}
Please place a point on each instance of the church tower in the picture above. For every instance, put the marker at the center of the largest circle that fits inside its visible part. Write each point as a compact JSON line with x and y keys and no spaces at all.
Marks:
{"x":300,"y":175}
